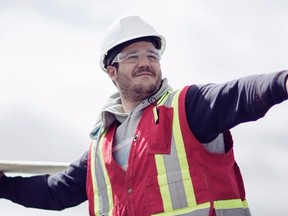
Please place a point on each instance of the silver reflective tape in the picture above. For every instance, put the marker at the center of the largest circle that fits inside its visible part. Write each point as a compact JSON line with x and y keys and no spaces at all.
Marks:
{"x":102,"y":186}
{"x":200,"y":212}
{"x":174,"y":179}
{"x":234,"y":212}
{"x":173,"y":170}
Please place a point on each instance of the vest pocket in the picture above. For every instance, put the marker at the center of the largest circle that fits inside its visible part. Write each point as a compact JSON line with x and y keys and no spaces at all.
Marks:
{"x":161,"y":130}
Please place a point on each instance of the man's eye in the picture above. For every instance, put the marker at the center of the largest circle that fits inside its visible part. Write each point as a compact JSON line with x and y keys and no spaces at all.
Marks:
{"x":131,"y":57}
{"x":152,"y":57}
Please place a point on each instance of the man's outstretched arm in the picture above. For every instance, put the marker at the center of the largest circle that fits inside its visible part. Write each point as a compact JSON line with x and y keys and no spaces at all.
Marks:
{"x":53,"y":192}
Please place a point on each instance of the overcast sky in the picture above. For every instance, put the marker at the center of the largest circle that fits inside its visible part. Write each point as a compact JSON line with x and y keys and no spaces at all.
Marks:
{"x":52,"y":87}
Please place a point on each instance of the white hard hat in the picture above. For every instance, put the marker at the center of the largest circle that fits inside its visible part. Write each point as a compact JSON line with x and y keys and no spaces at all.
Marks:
{"x":127,"y":29}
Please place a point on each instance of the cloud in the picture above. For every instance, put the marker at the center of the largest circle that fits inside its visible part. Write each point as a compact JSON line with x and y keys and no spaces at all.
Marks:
{"x":52,"y":86}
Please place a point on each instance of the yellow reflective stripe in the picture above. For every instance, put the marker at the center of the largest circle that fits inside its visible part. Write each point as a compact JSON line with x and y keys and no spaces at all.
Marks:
{"x":185,"y":210}
{"x":245,"y":204}
{"x":180,"y":147}
{"x":230,"y":204}
{"x":162,"y":181}
{"x":94,"y":181}
{"x":155,"y":114}
{"x":159,"y":159}
{"x":163,"y":98}
{"x":107,"y":180}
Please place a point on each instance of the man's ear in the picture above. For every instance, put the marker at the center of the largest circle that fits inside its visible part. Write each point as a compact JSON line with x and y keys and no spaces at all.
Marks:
{"x":112,"y":71}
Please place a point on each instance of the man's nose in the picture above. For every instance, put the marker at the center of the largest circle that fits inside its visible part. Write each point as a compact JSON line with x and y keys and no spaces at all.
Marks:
{"x":143,"y":60}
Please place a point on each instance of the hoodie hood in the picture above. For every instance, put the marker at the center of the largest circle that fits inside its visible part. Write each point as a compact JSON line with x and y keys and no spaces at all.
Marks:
{"x":113,"y":109}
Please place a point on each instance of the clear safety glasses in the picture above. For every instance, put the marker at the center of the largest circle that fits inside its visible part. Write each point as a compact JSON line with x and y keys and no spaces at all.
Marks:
{"x":134,"y":56}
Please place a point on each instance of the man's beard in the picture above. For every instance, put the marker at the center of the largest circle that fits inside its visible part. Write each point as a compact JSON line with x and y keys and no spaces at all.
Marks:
{"x":137,"y":92}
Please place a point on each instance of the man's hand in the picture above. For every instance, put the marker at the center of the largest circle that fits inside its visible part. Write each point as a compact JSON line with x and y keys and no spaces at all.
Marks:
{"x":287,"y":84}
{"x":1,"y":174}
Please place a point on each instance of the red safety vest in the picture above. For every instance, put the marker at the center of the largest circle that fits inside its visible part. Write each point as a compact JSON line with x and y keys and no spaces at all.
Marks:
{"x":169,"y":171}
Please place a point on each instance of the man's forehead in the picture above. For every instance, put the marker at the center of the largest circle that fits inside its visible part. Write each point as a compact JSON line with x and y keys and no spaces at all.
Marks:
{"x":139,"y":45}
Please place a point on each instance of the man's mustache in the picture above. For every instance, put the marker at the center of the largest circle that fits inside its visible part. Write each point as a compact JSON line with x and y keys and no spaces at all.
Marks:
{"x":143,"y":69}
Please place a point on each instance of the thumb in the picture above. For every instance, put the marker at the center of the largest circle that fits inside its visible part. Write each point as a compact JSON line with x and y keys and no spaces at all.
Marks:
{"x":1,"y":174}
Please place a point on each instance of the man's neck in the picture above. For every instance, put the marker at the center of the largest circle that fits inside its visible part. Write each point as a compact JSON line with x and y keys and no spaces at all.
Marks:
{"x":129,"y":106}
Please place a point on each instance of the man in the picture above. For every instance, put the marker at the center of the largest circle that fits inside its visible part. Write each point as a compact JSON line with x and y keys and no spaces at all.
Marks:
{"x":156,"y":151}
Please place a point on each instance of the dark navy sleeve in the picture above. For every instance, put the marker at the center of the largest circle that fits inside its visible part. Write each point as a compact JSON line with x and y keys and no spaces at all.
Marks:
{"x":214,"y":108}
{"x":53,"y":192}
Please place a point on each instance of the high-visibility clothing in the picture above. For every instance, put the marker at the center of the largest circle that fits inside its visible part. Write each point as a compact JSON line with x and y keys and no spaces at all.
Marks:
{"x":169,"y":171}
